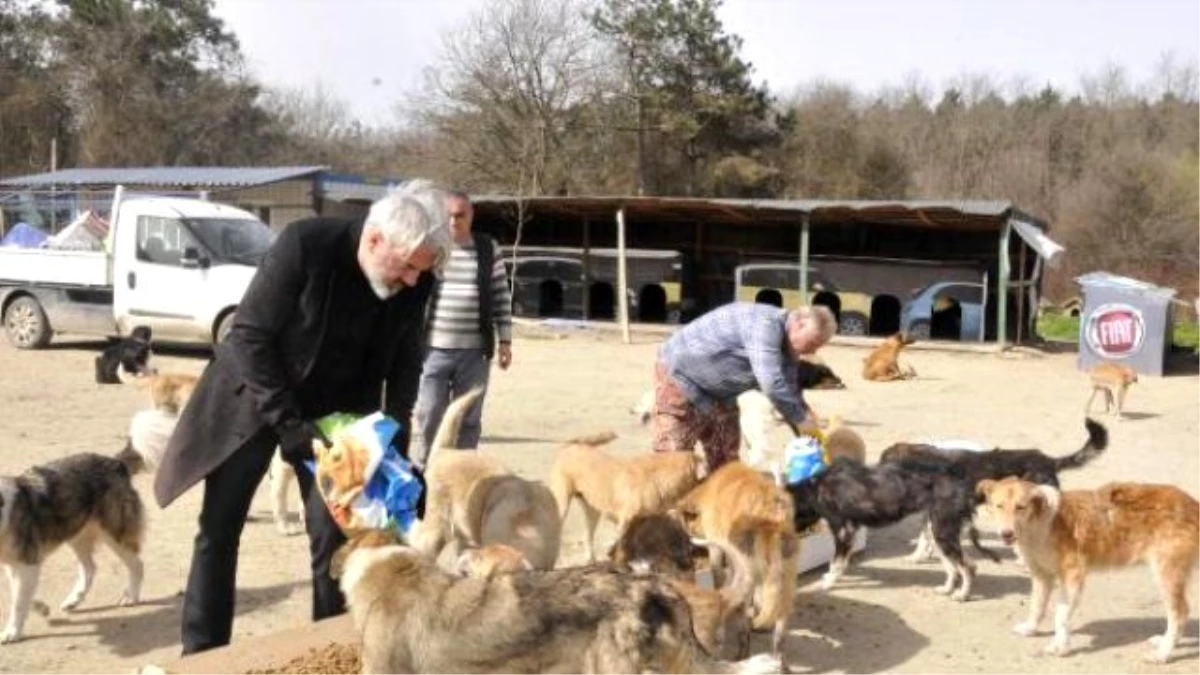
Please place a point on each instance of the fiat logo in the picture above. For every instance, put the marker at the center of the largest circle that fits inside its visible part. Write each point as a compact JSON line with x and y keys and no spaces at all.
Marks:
{"x":1115,"y":330}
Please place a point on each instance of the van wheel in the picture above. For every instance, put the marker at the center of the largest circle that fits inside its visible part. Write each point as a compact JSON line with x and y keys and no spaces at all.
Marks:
{"x":223,"y":328}
{"x":853,"y":323}
{"x":26,"y":325}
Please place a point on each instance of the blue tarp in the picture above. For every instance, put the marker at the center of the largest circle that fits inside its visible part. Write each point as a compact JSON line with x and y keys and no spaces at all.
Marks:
{"x":23,"y":235}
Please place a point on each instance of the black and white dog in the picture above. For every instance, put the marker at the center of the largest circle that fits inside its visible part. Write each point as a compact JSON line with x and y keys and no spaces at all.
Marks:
{"x":849,"y":495}
{"x":125,"y":360}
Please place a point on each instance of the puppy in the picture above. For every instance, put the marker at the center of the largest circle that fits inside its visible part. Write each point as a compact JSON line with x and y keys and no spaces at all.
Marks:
{"x":475,"y":501}
{"x":619,"y":488}
{"x":341,"y":469}
{"x":849,"y":495}
{"x":125,"y":360}
{"x":415,"y":618}
{"x":78,"y":501}
{"x":1065,"y":535}
{"x":1113,"y":380}
{"x":492,"y":559}
{"x":883,"y":365}
{"x":737,"y":504}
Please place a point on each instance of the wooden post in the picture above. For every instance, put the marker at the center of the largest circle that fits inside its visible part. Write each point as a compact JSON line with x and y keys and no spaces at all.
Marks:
{"x":803,"y":259}
{"x":1021,"y":291}
{"x":1002,"y":280}
{"x":622,"y":279}
{"x":587,"y":269}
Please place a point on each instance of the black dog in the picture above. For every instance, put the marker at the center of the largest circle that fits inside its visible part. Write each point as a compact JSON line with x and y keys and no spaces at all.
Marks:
{"x":849,"y":495}
{"x":818,"y":376}
{"x":1029,"y":465}
{"x":129,"y":357}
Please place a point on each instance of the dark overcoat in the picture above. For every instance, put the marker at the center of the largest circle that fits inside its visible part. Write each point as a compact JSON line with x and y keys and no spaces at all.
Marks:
{"x":257,"y":372}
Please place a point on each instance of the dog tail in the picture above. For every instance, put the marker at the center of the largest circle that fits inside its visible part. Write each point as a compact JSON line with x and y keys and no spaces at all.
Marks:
{"x":447,"y":433}
{"x":777,"y":548}
{"x":739,"y":591}
{"x":133,"y":462}
{"x":1096,"y":443}
{"x":593,"y":440}
{"x":991,"y":555}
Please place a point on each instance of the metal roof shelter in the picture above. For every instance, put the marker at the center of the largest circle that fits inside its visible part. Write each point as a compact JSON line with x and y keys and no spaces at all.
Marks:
{"x":164,"y":176}
{"x":686,"y":221}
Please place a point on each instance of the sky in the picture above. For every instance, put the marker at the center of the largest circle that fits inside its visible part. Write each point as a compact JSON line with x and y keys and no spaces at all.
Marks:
{"x":371,"y":53}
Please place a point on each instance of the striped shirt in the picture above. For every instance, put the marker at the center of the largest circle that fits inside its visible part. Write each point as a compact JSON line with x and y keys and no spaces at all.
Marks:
{"x":731,"y":350}
{"x":455,"y":323}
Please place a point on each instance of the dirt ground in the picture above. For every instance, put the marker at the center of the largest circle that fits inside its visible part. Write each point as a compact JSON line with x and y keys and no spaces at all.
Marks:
{"x":884,"y":617}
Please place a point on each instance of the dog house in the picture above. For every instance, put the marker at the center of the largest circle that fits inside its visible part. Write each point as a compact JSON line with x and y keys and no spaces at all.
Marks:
{"x":1124,"y":320}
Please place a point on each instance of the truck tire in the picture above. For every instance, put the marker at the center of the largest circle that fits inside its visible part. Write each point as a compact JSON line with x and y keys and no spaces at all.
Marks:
{"x":26,"y":325}
{"x":853,"y":323}
{"x":223,"y":327}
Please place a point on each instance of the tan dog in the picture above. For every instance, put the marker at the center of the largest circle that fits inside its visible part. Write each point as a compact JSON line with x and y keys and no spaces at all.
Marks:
{"x":1113,"y":379}
{"x":740,"y":505}
{"x":474,"y":501}
{"x":1064,"y":535}
{"x":619,"y":488}
{"x":883,"y":364}
{"x":415,"y":618}
{"x":169,"y":392}
{"x":486,"y":561}
{"x":842,"y":441}
{"x":341,"y":470}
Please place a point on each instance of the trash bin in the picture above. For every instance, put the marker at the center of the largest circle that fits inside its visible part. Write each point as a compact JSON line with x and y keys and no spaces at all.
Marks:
{"x":1124,"y":320}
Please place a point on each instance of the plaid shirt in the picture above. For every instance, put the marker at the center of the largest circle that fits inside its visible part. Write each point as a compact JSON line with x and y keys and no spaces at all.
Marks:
{"x":731,"y":350}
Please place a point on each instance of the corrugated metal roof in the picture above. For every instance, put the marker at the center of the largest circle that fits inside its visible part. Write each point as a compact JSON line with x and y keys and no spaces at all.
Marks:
{"x":164,"y":176}
{"x":964,"y":214}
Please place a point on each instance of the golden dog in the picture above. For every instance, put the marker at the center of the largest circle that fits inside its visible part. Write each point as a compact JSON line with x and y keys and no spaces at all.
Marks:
{"x":883,"y":364}
{"x":474,"y":500}
{"x":1113,"y":380}
{"x":415,"y":618}
{"x":619,"y":488}
{"x":1064,"y":535}
{"x":742,"y":506}
{"x":169,"y":392}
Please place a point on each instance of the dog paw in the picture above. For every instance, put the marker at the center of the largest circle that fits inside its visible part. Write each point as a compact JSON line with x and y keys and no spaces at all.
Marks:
{"x":10,"y":636}
{"x":128,"y":599}
{"x":288,"y":529}
{"x":944,"y":590}
{"x":67,"y":605}
{"x":1025,"y":629}
{"x":1057,"y":648}
{"x":959,"y":595}
{"x":828,"y":582}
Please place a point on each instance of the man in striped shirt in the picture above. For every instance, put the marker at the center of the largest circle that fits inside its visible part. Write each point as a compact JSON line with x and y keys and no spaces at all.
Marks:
{"x":704,"y":366}
{"x":470,"y":323}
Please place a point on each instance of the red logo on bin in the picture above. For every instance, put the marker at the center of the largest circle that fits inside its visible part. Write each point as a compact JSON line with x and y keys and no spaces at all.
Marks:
{"x":1115,"y":330}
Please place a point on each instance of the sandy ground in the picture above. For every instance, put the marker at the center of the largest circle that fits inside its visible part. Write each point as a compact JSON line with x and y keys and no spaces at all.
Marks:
{"x":884,"y":617}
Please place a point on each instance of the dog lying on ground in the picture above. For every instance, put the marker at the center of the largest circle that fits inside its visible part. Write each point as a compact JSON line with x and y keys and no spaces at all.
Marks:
{"x":79,"y":501}
{"x":849,"y":495}
{"x":883,"y":364}
{"x":415,"y":618}
{"x":1113,"y":380}
{"x":739,"y":505}
{"x":659,"y":544}
{"x":125,"y":360}
{"x":619,"y":488}
{"x":1065,"y":535}
{"x":475,"y":501}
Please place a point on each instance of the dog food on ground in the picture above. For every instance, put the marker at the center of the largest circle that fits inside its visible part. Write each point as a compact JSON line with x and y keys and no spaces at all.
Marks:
{"x":336,"y":659}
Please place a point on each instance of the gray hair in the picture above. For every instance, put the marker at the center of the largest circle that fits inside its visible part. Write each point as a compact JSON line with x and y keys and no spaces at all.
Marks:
{"x":820,"y":316}
{"x":414,"y":215}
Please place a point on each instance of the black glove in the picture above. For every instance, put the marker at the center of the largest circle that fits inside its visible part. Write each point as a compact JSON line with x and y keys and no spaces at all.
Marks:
{"x":416,"y":472}
{"x":296,"y":440}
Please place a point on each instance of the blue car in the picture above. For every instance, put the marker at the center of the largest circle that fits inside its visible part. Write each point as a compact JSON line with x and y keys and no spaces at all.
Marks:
{"x":952,"y":310}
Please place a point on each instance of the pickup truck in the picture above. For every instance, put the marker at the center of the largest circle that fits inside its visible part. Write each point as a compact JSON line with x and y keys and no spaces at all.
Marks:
{"x":177,"y":265}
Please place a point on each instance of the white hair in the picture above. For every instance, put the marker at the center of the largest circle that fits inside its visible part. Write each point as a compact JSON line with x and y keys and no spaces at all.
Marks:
{"x":820,"y":317}
{"x":414,"y":215}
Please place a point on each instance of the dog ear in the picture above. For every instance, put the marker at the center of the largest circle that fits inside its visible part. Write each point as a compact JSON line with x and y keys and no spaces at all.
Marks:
{"x":1045,"y":499}
{"x":985,"y":487}
{"x":462,"y":566}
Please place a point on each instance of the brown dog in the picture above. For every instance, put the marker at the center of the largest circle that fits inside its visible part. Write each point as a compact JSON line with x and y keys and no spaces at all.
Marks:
{"x":1064,"y":535}
{"x":842,"y":441}
{"x":1113,"y":379}
{"x":619,"y":488}
{"x":740,"y":505}
{"x":415,"y":618}
{"x":883,"y":364}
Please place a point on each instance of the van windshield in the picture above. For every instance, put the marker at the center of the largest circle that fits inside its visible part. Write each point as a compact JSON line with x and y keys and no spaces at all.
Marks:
{"x":233,"y":240}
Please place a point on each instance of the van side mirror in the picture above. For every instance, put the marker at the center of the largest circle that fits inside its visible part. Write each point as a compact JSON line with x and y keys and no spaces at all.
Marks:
{"x":191,"y":258}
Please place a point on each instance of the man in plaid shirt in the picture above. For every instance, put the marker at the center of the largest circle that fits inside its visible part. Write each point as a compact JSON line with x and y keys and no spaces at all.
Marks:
{"x":704,"y":366}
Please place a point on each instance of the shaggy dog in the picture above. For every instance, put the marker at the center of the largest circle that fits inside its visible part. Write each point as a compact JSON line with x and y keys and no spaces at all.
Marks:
{"x":1065,"y":535}
{"x":849,"y":495}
